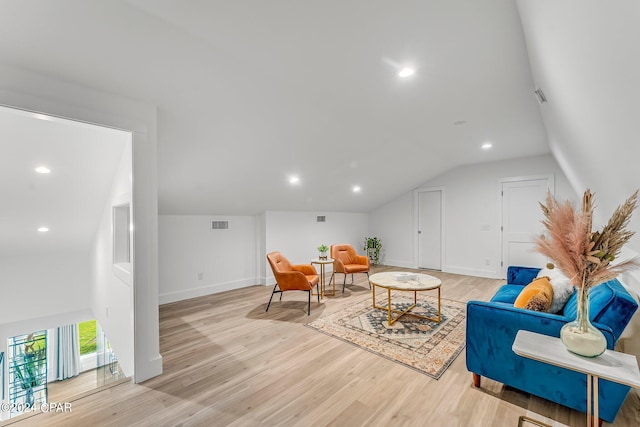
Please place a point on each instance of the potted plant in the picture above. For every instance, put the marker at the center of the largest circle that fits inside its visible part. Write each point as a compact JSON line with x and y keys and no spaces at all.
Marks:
{"x":323,"y":249}
{"x":372,"y":246}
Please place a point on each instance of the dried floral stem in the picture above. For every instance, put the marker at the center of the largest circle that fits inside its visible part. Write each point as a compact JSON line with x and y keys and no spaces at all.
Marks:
{"x":581,"y":254}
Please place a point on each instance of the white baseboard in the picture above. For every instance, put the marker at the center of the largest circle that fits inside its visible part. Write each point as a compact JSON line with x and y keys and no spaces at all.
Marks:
{"x":152,"y":368}
{"x":397,"y":263}
{"x":489,"y":274}
{"x":205,"y":290}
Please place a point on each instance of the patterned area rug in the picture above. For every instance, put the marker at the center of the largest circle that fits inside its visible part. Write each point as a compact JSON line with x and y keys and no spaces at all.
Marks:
{"x":424,"y":345}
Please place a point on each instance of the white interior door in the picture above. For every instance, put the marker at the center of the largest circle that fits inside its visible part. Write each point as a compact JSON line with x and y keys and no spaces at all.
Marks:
{"x":430,"y":229}
{"x":521,"y":221}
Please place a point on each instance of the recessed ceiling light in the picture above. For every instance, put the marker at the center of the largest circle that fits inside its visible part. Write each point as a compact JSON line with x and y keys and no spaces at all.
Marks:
{"x":42,"y":169}
{"x":487,"y":145}
{"x":356,"y":189}
{"x":406,"y":72}
{"x":43,"y":229}
{"x":294,"y":179}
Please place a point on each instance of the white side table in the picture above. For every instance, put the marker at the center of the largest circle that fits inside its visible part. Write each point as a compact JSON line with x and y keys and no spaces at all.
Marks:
{"x":322,"y":263}
{"x":611,"y":365}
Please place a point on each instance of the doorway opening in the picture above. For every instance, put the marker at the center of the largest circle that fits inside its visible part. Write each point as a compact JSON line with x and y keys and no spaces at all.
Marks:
{"x":60,"y":179}
{"x":429,"y":235}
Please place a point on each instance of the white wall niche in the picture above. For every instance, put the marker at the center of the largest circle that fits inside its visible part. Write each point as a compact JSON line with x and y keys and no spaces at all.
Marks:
{"x":121,"y":229}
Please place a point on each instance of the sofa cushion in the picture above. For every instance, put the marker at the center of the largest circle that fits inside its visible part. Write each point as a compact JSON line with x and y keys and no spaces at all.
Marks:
{"x":507,"y":294}
{"x":537,"y":295}
{"x":562,"y":288}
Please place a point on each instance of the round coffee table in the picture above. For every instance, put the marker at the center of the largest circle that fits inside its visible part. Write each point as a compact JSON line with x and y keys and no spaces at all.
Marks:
{"x":406,"y":282}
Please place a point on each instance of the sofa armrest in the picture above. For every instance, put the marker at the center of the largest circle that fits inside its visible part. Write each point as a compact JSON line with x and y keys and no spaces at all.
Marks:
{"x":306,"y":269}
{"x":362,"y":259}
{"x":292,"y":280}
{"x":499,"y":320}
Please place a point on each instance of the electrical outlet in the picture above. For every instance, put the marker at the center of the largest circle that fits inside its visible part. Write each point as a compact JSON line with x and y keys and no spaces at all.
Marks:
{"x":200,"y":275}
{"x":487,"y":261}
{"x":106,"y":311}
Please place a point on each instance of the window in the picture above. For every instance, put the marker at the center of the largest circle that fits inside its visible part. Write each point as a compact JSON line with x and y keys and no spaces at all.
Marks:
{"x":87,"y":337}
{"x":27,"y":360}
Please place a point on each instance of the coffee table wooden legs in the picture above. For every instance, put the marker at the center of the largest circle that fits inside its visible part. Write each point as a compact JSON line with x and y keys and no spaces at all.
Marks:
{"x":389,"y":308}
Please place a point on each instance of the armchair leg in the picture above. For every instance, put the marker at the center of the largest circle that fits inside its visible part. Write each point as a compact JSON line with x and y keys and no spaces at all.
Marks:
{"x":367,"y":273}
{"x":309,"y":302}
{"x":274,"y":291}
{"x":344,"y":282}
{"x":476,"y":380}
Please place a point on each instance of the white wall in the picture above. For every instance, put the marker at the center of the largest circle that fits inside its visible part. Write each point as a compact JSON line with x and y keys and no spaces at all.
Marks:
{"x":195,"y":260}
{"x":43,"y":285}
{"x":471,"y":199}
{"x":261,"y":248}
{"x":236,"y":257}
{"x":585,"y":56}
{"x":392,"y":223}
{"x":297,"y":234}
{"x":111,"y":290}
{"x":36,"y":92}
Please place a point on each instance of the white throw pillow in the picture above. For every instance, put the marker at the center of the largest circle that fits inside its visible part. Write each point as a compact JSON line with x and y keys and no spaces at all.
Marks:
{"x":562,"y":288}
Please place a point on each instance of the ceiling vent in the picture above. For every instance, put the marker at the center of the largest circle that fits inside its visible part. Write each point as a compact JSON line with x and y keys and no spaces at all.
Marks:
{"x":219,"y":225}
{"x":540,"y":95}
{"x":321,"y":218}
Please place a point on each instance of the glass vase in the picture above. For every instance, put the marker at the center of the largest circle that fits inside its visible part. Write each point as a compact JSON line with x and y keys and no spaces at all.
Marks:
{"x":580,"y":336}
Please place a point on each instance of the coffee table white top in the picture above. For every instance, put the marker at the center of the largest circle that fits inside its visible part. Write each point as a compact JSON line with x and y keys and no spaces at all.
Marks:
{"x":611,"y":365}
{"x":404,"y":281}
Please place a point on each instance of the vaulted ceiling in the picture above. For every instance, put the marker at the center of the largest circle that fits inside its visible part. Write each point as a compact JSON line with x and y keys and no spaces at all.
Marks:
{"x":67,"y":201}
{"x":251,"y":92}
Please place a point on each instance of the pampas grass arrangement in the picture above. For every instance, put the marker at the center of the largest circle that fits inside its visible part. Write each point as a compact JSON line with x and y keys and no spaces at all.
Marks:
{"x":586,"y":258}
{"x":583,"y":255}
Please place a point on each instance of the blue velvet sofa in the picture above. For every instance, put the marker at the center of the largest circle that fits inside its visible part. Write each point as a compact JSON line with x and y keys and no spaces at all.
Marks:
{"x":492,"y":327}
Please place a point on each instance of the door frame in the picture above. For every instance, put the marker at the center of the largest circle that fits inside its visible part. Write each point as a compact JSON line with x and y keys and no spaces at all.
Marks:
{"x":551,"y":185}
{"x":416,"y":224}
{"x":71,"y":102}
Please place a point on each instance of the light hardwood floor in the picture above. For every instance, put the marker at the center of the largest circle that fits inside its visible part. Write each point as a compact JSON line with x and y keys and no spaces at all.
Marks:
{"x":228,"y":363}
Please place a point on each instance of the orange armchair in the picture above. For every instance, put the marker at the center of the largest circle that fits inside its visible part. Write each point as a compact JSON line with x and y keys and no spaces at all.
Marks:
{"x":347,"y":261}
{"x":290,"y":277}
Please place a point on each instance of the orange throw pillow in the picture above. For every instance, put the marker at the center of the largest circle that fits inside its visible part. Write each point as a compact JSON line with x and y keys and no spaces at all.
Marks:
{"x":537,"y":295}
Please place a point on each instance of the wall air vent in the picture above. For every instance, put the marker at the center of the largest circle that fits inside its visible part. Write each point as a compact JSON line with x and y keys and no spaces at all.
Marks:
{"x":540,"y":95}
{"x":321,"y":218}
{"x":219,"y":225}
